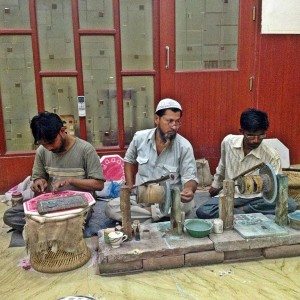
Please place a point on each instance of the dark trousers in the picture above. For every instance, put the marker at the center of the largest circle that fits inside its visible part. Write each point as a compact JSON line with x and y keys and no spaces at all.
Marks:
{"x":210,"y":210}
{"x":15,"y":217}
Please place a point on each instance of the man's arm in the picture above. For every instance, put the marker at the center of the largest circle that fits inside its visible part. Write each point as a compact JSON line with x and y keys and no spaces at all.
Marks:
{"x":130,"y":163}
{"x":82,"y":184}
{"x":188,"y":173}
{"x":94,"y":180}
{"x":39,"y":175}
{"x":220,"y":173}
{"x":188,"y":191}
{"x":130,"y":172}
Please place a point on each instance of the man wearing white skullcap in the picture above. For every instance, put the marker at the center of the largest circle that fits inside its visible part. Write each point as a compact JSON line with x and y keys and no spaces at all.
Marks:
{"x":155,"y":153}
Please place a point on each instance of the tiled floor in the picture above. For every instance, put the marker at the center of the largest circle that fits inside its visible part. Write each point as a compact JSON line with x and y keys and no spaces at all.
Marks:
{"x":267,"y":279}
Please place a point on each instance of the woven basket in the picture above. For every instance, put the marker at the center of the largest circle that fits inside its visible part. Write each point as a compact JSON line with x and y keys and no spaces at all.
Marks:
{"x":56,"y":244}
{"x":61,"y":261}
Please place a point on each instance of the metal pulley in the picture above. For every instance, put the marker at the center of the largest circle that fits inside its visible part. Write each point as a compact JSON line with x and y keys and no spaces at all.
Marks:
{"x":265,"y":183}
{"x":156,"y":191}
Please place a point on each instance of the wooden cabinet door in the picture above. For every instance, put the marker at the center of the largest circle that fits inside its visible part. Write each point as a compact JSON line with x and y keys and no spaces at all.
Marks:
{"x":207,"y":51}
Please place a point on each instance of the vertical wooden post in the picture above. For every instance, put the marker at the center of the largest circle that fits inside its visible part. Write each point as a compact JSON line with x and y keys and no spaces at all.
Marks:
{"x":226,"y":204}
{"x":281,"y":210}
{"x":125,"y":210}
{"x":176,"y":216}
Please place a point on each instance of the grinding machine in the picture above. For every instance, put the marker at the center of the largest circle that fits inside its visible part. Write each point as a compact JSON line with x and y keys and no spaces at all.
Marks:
{"x":158,"y":193}
{"x":273,"y":189}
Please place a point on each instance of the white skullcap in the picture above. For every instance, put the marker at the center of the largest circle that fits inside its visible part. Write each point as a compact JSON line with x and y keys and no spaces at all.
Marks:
{"x":167,"y":103}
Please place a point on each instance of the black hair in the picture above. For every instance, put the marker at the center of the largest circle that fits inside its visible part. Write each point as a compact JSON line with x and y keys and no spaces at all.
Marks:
{"x":253,"y":119}
{"x":45,"y":126}
{"x":161,"y":112}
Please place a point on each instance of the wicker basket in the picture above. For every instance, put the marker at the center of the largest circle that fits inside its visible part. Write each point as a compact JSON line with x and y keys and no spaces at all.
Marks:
{"x":56,"y":244}
{"x":60,"y":261}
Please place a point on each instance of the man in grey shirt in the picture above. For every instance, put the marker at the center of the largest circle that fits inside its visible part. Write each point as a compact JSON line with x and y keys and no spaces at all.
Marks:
{"x":62,"y":162}
{"x":155,"y":153}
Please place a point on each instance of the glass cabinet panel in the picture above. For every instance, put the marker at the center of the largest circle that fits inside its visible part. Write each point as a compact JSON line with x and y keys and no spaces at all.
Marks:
{"x":138,"y":100}
{"x":60,"y":94}
{"x":17,"y":91}
{"x":55,"y":34}
{"x":206,"y":34}
{"x":14,"y":14}
{"x":99,"y":75}
{"x":97,"y":14}
{"x":136,"y":34}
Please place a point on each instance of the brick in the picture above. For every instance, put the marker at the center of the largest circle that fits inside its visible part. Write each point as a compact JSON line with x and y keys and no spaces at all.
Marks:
{"x":203,"y":258}
{"x":243,"y":255}
{"x":282,"y":251}
{"x":121,"y":268}
{"x":165,"y":262}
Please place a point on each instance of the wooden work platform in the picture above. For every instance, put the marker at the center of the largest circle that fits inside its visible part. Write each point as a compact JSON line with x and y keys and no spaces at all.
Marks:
{"x":161,"y":250}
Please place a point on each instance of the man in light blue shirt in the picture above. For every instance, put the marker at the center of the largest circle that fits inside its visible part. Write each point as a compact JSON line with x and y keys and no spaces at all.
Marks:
{"x":158,"y":152}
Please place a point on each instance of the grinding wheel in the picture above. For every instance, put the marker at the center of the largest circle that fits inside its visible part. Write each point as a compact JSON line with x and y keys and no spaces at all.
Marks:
{"x":268,"y":175}
{"x":165,"y":205}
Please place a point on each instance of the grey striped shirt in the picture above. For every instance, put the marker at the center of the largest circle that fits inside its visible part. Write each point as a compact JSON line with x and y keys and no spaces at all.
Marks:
{"x":81,"y":161}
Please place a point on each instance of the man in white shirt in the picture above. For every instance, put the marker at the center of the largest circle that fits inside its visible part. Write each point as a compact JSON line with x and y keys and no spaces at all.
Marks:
{"x":238,"y":154}
{"x":158,"y":152}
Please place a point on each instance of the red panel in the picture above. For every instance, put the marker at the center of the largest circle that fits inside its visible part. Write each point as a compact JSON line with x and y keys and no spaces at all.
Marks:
{"x":279,"y":88}
{"x":14,"y":170}
{"x":212,"y":100}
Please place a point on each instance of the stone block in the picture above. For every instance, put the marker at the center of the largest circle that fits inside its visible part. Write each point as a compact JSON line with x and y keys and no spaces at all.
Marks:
{"x":203,"y":258}
{"x":242,"y":255}
{"x":121,"y":268}
{"x":230,"y":240}
{"x":161,"y":243}
{"x":282,"y":251}
{"x":165,"y":262}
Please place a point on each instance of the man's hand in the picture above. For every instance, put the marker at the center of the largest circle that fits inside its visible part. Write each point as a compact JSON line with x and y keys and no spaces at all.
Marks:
{"x":187,"y":195}
{"x":214,"y":191}
{"x":56,"y":185}
{"x":39,"y":185}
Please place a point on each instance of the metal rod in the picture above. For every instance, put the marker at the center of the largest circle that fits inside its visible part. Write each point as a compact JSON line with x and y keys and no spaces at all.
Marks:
{"x":163,"y":178}
{"x":244,"y":173}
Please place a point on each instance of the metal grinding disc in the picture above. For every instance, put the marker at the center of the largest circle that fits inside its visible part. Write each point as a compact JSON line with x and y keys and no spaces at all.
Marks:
{"x":269,"y":183}
{"x":165,"y":205}
{"x":241,"y":185}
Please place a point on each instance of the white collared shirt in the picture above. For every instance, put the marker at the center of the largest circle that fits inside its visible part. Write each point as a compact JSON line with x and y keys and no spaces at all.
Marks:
{"x":178,"y":158}
{"x":233,"y":161}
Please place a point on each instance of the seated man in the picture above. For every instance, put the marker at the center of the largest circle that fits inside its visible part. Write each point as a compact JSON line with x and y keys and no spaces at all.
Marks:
{"x":62,"y":162}
{"x":158,"y":152}
{"x":238,"y":154}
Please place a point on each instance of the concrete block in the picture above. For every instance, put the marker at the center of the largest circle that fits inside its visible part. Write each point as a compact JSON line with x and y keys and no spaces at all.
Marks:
{"x":282,"y":251}
{"x":165,"y":262}
{"x":121,"y":268}
{"x":230,"y":240}
{"x":161,"y":243}
{"x":204,"y":258}
{"x":242,"y":255}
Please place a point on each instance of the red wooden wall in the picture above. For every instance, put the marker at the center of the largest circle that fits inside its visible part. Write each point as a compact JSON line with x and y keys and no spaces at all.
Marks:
{"x":276,"y":90}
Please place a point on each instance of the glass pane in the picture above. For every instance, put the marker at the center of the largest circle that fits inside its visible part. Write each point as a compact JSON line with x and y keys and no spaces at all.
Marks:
{"x":60,"y":94}
{"x":14,"y":14}
{"x":138,"y":97}
{"x":98,"y":62}
{"x":136,"y":34}
{"x":206,"y":34}
{"x":17,"y":87}
{"x":96,"y":14}
{"x":55,"y":34}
